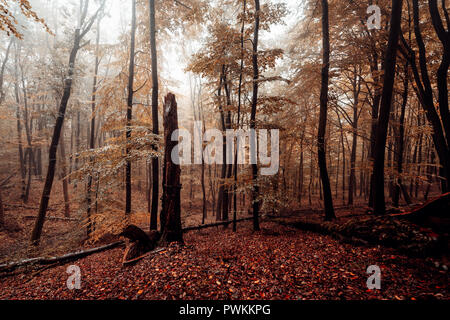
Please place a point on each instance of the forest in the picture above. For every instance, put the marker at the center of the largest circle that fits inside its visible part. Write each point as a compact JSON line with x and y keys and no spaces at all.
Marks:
{"x":224,"y":150}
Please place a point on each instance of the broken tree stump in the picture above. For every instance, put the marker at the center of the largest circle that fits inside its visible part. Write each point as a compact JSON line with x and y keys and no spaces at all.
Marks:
{"x":171,"y":201}
{"x":139,"y":243}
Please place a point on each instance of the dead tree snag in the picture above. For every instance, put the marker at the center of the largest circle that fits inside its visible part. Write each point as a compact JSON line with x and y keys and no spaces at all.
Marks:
{"x":171,"y":210}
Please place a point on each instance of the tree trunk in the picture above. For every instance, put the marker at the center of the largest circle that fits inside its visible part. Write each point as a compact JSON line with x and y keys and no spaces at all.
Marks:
{"x":385,"y":108}
{"x":28,"y":154}
{"x":171,"y":207}
{"x":63,"y":165}
{"x":77,"y":144}
{"x":220,"y":200}
{"x":399,"y":187}
{"x":344,"y":160}
{"x":38,"y":151}
{"x":442,"y":78}
{"x":2,"y":96}
{"x":425,"y":90}
{"x":204,"y":208}
{"x":373,"y":130}
{"x":203,"y":182}
{"x":28,"y":131}
{"x":19,"y":123}
{"x":130,"y":108}
{"x":255,"y":191}
{"x":2,"y":69}
{"x":79,"y":34}
{"x":155,"y":115}
{"x":420,"y":155}
{"x":328,"y":199}
{"x":241,"y":76}
{"x":362,"y":173}
{"x":352,"y":177}
{"x":212,"y":188}
{"x":36,"y":234}
{"x":229,"y":167}
{"x":93,"y":125}
{"x":20,"y":146}
{"x":301,"y":173}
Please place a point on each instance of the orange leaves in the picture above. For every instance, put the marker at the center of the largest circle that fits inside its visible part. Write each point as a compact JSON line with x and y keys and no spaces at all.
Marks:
{"x":8,"y":22}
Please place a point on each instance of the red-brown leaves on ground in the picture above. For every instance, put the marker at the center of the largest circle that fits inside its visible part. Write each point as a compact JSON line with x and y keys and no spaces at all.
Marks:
{"x":278,"y":263}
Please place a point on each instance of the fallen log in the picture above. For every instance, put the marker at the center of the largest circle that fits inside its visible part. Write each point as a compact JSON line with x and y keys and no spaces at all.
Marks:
{"x":80,"y":254}
{"x":53,"y":218}
{"x":8,"y":267}
{"x":310,"y":210}
{"x":5,"y":181}
{"x":434,"y":214}
{"x":8,"y":207}
{"x":387,"y":231}
{"x":218,"y":224}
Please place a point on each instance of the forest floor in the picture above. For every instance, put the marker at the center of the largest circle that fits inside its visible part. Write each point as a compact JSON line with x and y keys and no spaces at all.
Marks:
{"x":280,"y":262}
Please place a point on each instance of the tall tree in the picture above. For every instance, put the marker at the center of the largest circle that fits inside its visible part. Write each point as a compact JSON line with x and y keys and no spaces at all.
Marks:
{"x":2,"y":70}
{"x":225,"y":117}
{"x":83,"y":28}
{"x":63,"y":176}
{"x":130,"y":106}
{"x":385,"y":107}
{"x":400,"y":144}
{"x":374,"y":68}
{"x":442,"y":74}
{"x":241,"y":77}
{"x":443,"y":35}
{"x":28,"y":130}
{"x":19,"y":121}
{"x":155,"y":116}
{"x":424,"y":87}
{"x":2,"y":96}
{"x":255,"y":193}
{"x":328,"y":198}
{"x":93,"y":123}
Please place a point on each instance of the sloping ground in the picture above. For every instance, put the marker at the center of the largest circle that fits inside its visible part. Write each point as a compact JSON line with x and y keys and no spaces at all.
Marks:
{"x":387,"y":231}
{"x":278,"y":263}
{"x":420,"y":231}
